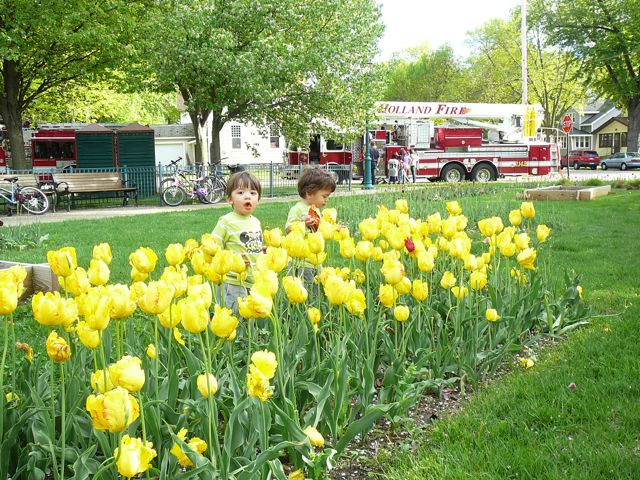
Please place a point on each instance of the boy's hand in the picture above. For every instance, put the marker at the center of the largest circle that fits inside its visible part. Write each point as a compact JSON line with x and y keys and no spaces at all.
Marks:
{"x":312,"y":222}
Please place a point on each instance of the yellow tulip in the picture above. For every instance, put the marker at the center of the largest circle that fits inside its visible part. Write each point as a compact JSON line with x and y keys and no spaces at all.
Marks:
{"x":393,"y":271}
{"x":143,"y":259}
{"x":347,"y":247}
{"x":50,"y":309}
{"x":522,"y":241}
{"x":175,"y":254}
{"x":62,"y":262}
{"x":190,"y":246}
{"x":327,"y":230}
{"x":255,"y":306}
{"x":199,"y":261}
{"x":26,"y":349}
{"x":449,"y":227}
{"x":401,"y":313}
{"x":127,"y":373}
{"x":12,"y":397}
{"x":459,"y":292}
{"x":258,"y":384}
{"x":102,"y":252}
{"x":293,"y":287}
{"x":507,"y":249}
{"x":527,"y":210}
{"x":176,"y":276}
{"x":209,"y":244}
{"x":579,"y":289}
{"x":194,"y":315}
{"x":426,"y":261}
{"x":134,"y":456}
{"x":477,"y":280}
{"x":156,"y":297}
{"x":113,"y":410}
{"x":369,"y":229}
{"x":171,"y":316}
{"x":526,"y":362}
{"x":358,"y":276}
{"x":201,"y":291}
{"x":364,"y":250}
{"x":13,"y":276}
{"x":223,"y":324}
{"x":387,"y":295}
{"x":89,"y":337}
{"x":207,"y":385}
{"x":315,"y":437}
{"x":98,"y":381}
{"x":492,"y":315}
{"x":276,"y":259}
{"x":273,"y":237}
{"x":265,"y":361}
{"x":395,"y":237}
{"x":314,"y":315}
{"x":138,"y":276}
{"x":515,"y":217}
{"x":295,"y":245}
{"x":527,"y":258}
{"x":542,"y":233}
{"x":8,"y":298}
{"x":330,"y":215}
{"x":315,"y":242}
{"x":265,"y":283}
{"x":177,"y":335}
{"x":77,"y":283}
{"x":487,"y":227}
{"x":420,"y":290}
{"x":355,"y":301}
{"x":211,"y":274}
{"x":402,"y":206}
{"x":196,"y":444}
{"x":454,"y":208}
{"x":57,"y":348}
{"x":335,"y":290}
{"x":122,"y":305}
{"x":448,"y":280}
{"x":151,"y":351}
{"x":403,"y":286}
{"x":296,"y":475}
{"x":435,"y":223}
{"x":96,"y":308}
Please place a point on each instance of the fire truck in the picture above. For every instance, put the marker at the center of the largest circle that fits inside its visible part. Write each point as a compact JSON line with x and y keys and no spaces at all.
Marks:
{"x":452,"y":153}
{"x":54,"y":146}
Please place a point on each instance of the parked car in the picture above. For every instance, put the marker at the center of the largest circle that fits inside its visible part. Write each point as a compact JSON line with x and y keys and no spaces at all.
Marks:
{"x":582,"y":158}
{"x":621,"y":160}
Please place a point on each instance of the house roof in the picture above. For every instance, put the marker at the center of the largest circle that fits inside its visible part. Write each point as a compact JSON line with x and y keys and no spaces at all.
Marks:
{"x":173,"y":131}
{"x":623,"y":120}
{"x":577,"y":131}
{"x":135,"y":127}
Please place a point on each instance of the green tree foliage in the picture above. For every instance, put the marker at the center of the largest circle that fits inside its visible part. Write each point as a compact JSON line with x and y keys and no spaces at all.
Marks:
{"x":45,"y":45}
{"x":605,"y":35}
{"x":271,"y":62}
{"x":418,"y":76}
{"x":100,"y":102}
{"x":495,"y":68}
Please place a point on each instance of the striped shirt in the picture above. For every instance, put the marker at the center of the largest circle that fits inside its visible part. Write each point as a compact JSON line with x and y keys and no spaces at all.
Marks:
{"x":243,"y":235}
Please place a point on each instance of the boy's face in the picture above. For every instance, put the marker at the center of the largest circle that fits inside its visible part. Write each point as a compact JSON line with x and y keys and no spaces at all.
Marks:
{"x":244,"y":200}
{"x":318,"y":198}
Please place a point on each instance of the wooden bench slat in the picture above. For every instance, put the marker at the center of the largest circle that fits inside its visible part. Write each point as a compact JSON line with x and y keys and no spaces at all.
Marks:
{"x":70,"y":184}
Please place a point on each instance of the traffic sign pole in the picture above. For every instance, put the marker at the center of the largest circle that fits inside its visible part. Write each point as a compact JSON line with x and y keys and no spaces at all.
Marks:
{"x":567,"y":126}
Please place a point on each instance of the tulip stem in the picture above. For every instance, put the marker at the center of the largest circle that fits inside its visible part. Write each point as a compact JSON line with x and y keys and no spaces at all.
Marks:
{"x":207,"y":371}
{"x":4,"y":357}
{"x":13,"y":351}
{"x":53,"y":421}
{"x":157,"y":359}
{"x":63,"y":419}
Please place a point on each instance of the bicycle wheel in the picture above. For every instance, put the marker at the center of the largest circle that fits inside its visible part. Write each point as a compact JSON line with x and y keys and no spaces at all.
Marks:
{"x":172,"y":194}
{"x":33,"y":200}
{"x":218,"y":191}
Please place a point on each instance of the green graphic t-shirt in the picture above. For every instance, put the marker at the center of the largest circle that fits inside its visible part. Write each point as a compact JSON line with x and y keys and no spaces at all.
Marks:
{"x":297,"y":213}
{"x":240,"y":234}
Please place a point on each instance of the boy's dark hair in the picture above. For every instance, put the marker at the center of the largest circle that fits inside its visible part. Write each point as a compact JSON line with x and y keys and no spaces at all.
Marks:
{"x":314,"y":179}
{"x":243,"y":180}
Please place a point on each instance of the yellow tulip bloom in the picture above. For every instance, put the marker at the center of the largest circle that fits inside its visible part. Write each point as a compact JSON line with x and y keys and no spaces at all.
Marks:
{"x":492,"y":315}
{"x":387,"y":295}
{"x":347,"y":247}
{"x":89,"y":337}
{"x":171,"y":316}
{"x":57,"y":348}
{"x":265,"y":361}
{"x":314,"y":315}
{"x":315,"y":242}
{"x":134,"y":456}
{"x":330,"y":215}
{"x":296,"y":475}
{"x":355,"y":302}
{"x":527,"y":258}
{"x":459,"y":292}
{"x":175,"y":254}
{"x":76,"y":283}
{"x":364,"y":250}
{"x":199,"y":261}
{"x":401,"y":313}
{"x":62,"y":262}
{"x":403,"y":286}
{"x":122,"y":305}
{"x":98,"y":381}
{"x":255,"y":306}
{"x":50,"y":309}
{"x":156,"y":297}
{"x":315,"y":437}
{"x":448,"y":280}
{"x":138,"y":276}
{"x":293,"y":287}
{"x":507,"y":249}
{"x":522,"y":241}
{"x":196,"y":445}
{"x":207,"y":385}
{"x":369,"y":229}
{"x":477,"y":280}
{"x":454,"y":208}
{"x":265,"y":283}
{"x":487,"y":227}
{"x":127,"y":373}
{"x":201,"y":291}
{"x":151,"y":351}
{"x":358,"y":276}
{"x":143,"y":259}
{"x":209,"y":244}
{"x":8,"y":298}
{"x":420,"y":290}
{"x":113,"y":410}
{"x":224,"y":323}
{"x":194,"y":315}
{"x":190,"y":246}
{"x":258,"y":384}
{"x":335,"y":289}
{"x":102,"y":252}
{"x":393,"y":271}
{"x":527,"y":210}
{"x":96,"y":308}
{"x":515,"y":217}
{"x":273,"y":237}
{"x":176,"y":276}
{"x":542,"y":233}
{"x":276,"y":259}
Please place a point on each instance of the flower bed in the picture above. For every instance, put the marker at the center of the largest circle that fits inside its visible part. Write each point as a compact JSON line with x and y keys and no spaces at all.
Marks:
{"x":158,"y":376}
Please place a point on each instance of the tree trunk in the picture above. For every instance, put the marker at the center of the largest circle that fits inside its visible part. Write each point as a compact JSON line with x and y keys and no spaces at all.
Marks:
{"x":12,"y":114}
{"x":199,"y":122}
{"x":214,"y":150}
{"x":633,"y":108}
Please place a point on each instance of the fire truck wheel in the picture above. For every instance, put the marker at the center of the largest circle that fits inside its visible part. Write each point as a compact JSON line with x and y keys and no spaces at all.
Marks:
{"x":483,"y":173}
{"x":452,"y":173}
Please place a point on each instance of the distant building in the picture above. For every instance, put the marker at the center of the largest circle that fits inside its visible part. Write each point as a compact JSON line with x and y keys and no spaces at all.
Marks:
{"x":597,"y":127}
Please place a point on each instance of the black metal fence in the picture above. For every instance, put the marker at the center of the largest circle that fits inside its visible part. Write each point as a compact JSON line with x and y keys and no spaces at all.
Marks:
{"x":276,"y":179}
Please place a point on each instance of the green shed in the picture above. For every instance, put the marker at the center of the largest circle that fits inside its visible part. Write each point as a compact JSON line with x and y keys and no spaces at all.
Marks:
{"x":95,"y":147}
{"x":136,"y":156}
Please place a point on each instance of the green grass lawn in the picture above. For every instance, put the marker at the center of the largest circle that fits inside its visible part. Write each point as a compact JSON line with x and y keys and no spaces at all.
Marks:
{"x":530,"y":424}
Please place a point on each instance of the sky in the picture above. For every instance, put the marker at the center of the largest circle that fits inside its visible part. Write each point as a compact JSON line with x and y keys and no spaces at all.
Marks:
{"x":409,"y":23}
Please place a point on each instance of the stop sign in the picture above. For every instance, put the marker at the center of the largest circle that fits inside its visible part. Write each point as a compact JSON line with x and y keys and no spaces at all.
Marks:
{"x":567,"y":123}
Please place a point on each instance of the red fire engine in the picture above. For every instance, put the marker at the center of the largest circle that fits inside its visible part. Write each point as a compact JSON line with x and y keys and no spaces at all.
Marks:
{"x":449,"y":153}
{"x":54,"y":146}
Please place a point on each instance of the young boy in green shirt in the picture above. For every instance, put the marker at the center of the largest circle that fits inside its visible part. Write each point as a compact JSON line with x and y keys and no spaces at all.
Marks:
{"x":240,"y":232}
{"x":315,"y":186}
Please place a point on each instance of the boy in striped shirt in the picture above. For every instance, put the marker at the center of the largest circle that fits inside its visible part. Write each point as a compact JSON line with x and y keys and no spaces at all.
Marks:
{"x":240,"y":232}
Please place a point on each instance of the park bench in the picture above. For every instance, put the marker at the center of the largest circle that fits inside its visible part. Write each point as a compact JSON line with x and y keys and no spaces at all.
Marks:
{"x":43,"y":181}
{"x":75,"y":186}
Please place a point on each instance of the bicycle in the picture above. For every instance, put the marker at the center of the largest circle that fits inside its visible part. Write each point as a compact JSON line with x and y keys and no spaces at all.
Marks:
{"x":219,"y":180}
{"x":175,"y":189}
{"x":31,"y":199}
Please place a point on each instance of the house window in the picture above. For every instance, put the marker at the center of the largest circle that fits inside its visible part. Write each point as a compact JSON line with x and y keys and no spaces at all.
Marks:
{"x":274,"y":137}
{"x":563,"y":141}
{"x":623,"y":139}
{"x":605,"y":140}
{"x":236,"y":141}
{"x":582,"y":142}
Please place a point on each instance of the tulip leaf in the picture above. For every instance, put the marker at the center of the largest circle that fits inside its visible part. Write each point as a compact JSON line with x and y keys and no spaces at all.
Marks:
{"x":249,"y":472}
{"x":363,"y":424}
